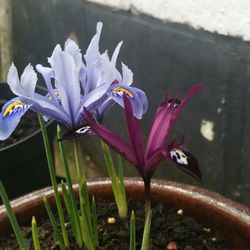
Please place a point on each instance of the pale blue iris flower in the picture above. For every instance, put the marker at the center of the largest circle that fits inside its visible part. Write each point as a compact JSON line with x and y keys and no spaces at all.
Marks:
{"x":72,"y":85}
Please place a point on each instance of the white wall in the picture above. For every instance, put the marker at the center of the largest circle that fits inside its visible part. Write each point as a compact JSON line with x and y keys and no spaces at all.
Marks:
{"x":229,"y":17}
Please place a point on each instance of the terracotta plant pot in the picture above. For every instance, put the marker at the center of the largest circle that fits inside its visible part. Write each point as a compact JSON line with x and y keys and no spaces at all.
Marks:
{"x":208,"y":208}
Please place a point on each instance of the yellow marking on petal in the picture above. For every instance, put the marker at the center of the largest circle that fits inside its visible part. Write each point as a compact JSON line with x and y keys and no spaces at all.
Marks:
{"x":11,"y":106}
{"x":122,"y":90}
{"x":55,"y":95}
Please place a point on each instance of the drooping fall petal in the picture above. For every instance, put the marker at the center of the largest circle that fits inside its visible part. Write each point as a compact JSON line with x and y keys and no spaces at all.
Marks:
{"x":10,"y":116}
{"x":186,"y":162}
{"x":136,"y":96}
{"x":115,"y":142}
{"x":134,"y":131}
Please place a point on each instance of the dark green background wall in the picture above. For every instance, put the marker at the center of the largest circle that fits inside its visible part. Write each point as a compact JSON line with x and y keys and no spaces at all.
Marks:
{"x":164,"y":57}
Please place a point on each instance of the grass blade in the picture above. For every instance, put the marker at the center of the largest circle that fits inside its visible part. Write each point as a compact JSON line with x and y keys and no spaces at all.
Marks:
{"x":53,"y":179}
{"x":12,"y":218}
{"x":132,"y":232}
{"x":35,"y":238}
{"x":146,"y":231}
{"x":74,"y":210}
{"x":94,"y":222}
{"x":54,"y":224}
{"x":117,"y":181}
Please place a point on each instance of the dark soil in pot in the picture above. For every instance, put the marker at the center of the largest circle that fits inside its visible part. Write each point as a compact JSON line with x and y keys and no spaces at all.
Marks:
{"x":170,"y":230}
{"x":27,"y":125}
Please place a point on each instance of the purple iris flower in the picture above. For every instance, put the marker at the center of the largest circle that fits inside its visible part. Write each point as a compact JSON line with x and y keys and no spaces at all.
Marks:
{"x":72,"y":84}
{"x":147,"y":159}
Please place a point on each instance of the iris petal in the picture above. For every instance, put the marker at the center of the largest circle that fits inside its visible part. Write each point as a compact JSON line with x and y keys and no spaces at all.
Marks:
{"x":154,"y":160}
{"x":164,"y":119}
{"x":10,"y":116}
{"x":186,"y":162}
{"x":137,"y":98}
{"x":47,"y":74}
{"x":107,"y":104}
{"x":127,"y":75}
{"x":73,"y":49}
{"x":92,"y":53}
{"x":26,"y":85}
{"x":53,"y":96}
{"x":67,"y":83}
{"x":134,"y":133}
{"x":115,"y":142}
{"x":116,"y":53}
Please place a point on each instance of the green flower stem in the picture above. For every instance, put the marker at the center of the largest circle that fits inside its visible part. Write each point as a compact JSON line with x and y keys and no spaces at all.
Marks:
{"x":122,"y":196}
{"x":83,"y":187}
{"x":85,"y":209}
{"x":147,"y":225}
{"x":148,"y":215}
{"x":53,"y":179}
{"x":54,"y":224}
{"x":116,"y":180}
{"x":94,"y":222}
{"x":132,"y":232}
{"x":12,"y":218}
{"x":87,"y":229}
{"x":86,"y":215}
{"x":73,"y":203}
{"x":80,"y":172}
{"x":70,"y":212}
{"x":35,"y":238}
{"x":66,"y":198}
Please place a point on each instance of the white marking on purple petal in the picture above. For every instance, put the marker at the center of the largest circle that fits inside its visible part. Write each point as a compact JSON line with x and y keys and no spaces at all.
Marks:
{"x":84,"y":130}
{"x":179,"y":157}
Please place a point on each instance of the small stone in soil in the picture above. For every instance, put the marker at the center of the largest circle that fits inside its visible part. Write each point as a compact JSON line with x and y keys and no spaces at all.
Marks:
{"x":172,"y":245}
{"x":111,"y":220}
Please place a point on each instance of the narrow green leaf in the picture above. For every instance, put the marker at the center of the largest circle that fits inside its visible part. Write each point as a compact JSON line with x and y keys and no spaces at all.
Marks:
{"x":120,"y":174}
{"x":53,"y":179}
{"x":146,"y":231}
{"x":94,"y":222}
{"x":132,"y":232}
{"x":80,"y":172}
{"x":123,"y":200}
{"x":73,"y":203}
{"x":12,"y":218}
{"x":66,"y":197}
{"x":54,"y":224}
{"x":85,"y":208}
{"x":35,"y":238}
{"x":87,"y":235}
{"x":109,"y":162}
{"x":117,"y":181}
{"x":84,"y":195}
{"x":69,"y":208}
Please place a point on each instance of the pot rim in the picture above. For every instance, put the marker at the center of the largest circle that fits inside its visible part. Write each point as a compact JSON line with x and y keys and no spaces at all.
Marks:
{"x":198,"y":193}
